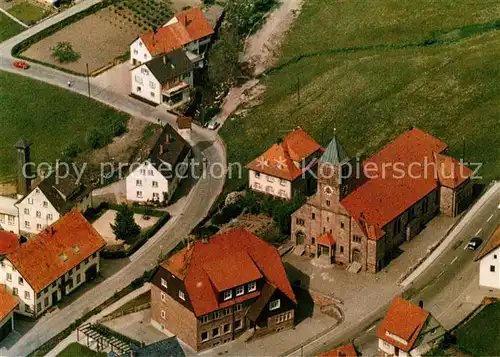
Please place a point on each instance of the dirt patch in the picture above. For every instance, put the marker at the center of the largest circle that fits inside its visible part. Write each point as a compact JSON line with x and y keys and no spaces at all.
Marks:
{"x":255,"y":224}
{"x":179,"y":5}
{"x":261,"y":48}
{"x":99,"y":38}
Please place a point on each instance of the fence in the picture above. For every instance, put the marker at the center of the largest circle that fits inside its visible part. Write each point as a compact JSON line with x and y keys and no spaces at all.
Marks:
{"x":117,"y":314}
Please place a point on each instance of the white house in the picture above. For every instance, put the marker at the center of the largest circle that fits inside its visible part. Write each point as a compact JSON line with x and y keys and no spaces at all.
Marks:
{"x":7,"y":305}
{"x":489,"y":265}
{"x":52,"y":264}
{"x":407,"y":330}
{"x":279,"y":170}
{"x":155,"y":176}
{"x":49,"y":200}
{"x":9,"y":215}
{"x":188,"y":30}
{"x":166,"y":79}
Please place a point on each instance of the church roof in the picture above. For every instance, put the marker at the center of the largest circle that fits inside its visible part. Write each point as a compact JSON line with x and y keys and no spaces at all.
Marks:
{"x":335,"y":153}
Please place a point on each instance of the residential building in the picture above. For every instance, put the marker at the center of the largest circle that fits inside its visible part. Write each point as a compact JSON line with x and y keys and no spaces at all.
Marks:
{"x":157,"y":172}
{"x":188,"y":30}
{"x":165,"y":79}
{"x":283,"y":170}
{"x":212,"y":291}
{"x":54,"y":263}
{"x":7,"y":305}
{"x":408,"y":330}
{"x":362,"y":212}
{"x":52,"y":198}
{"x":9,"y":215}
{"x":8,"y":242}
{"x":489,"y":266}
{"x":343,"y":351}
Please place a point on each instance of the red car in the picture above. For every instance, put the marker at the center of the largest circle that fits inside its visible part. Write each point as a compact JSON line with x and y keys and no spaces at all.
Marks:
{"x":21,"y":64}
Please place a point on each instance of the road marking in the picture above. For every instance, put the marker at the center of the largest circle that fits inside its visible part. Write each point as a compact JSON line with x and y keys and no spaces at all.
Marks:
{"x":454,"y":260}
{"x":489,"y":218}
{"x":440,"y":274}
{"x":479,"y":231}
{"x":465,"y":246}
{"x":371,"y":328}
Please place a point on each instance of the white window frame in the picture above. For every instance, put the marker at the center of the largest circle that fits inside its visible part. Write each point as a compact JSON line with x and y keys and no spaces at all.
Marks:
{"x":204,"y":339}
{"x":152,"y":85}
{"x":228,"y":294}
{"x":139,"y":194}
{"x":164,"y":283}
{"x":240,"y":290}
{"x":138,"y":79}
{"x":163,"y":297}
{"x":163,"y":314}
{"x":252,"y":286}
{"x":182,"y":296}
{"x":26,"y":211}
{"x":138,"y":182}
{"x":154,"y":184}
{"x":274,"y":305}
{"x":49,"y":216}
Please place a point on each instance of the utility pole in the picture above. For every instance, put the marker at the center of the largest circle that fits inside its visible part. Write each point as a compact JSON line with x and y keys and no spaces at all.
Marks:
{"x":88,"y":79}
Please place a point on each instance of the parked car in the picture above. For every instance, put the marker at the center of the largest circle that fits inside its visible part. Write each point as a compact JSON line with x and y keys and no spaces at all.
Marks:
{"x":474,"y":243}
{"x":21,"y":64}
{"x":212,"y":125}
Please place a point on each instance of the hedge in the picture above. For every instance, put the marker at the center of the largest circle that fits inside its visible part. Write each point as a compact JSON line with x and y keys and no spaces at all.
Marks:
{"x":137,"y":209}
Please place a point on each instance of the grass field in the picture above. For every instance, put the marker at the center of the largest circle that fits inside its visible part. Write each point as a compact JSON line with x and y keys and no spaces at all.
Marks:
{"x":28,"y":13}
{"x":373,"y":69}
{"x":51,"y":117}
{"x":479,"y":336}
{"x":77,"y":350}
{"x":8,"y":28}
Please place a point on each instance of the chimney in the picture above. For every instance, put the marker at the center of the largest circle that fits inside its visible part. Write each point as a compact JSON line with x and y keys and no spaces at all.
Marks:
{"x":167,"y":138}
{"x":421,"y":304}
{"x":204,"y":240}
{"x":161,"y":149}
{"x":23,"y":171}
{"x":164,"y":60}
{"x":42,"y":174}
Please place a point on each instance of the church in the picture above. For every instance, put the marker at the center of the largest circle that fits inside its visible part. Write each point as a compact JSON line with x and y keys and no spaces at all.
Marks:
{"x":361,"y":212}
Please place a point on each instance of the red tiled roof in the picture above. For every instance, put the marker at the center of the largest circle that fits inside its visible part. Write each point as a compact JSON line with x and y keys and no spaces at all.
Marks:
{"x":56,"y":250}
{"x":7,"y":302}
{"x":178,"y":34}
{"x":451,"y":172}
{"x":342,"y":351}
{"x":399,"y":186}
{"x":8,"y":242}
{"x":326,"y":239}
{"x":195,"y":23}
{"x":404,"y":320}
{"x":492,"y":244}
{"x":278,"y":161}
{"x":228,"y":259}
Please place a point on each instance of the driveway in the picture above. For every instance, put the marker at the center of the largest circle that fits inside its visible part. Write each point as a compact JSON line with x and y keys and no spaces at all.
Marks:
{"x":116,"y":79}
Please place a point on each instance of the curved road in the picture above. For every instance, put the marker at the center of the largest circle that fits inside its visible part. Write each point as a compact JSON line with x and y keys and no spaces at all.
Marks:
{"x":199,"y":200}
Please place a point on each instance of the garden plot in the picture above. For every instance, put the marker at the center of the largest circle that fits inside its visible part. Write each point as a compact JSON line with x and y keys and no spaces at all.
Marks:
{"x":98,"y":38}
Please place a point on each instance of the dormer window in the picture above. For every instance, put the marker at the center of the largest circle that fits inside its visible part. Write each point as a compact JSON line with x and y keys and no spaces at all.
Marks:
{"x":252,"y":286}
{"x":228,"y":294}
{"x":182,"y":296}
{"x":240,"y":290}
{"x":273,"y":305}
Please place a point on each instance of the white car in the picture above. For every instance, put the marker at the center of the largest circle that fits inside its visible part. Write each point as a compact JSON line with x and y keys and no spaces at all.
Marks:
{"x":212,"y":125}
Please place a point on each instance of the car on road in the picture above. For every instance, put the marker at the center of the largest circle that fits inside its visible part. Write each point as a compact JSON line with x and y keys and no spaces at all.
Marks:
{"x":21,"y":64}
{"x":474,"y":243}
{"x":212,"y":125}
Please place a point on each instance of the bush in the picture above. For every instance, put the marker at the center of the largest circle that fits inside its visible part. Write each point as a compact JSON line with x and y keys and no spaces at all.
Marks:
{"x":71,"y":151}
{"x":118,"y":127}
{"x":95,"y":139}
{"x":125,"y":227}
{"x":227,"y":214}
{"x":64,"y":52}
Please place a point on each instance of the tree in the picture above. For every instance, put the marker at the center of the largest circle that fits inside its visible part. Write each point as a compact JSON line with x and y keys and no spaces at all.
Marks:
{"x":125,"y":227}
{"x":64,"y":52}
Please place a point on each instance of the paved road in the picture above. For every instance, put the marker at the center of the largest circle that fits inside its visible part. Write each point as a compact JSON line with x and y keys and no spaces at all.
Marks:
{"x":197,"y":204}
{"x":449,"y":288}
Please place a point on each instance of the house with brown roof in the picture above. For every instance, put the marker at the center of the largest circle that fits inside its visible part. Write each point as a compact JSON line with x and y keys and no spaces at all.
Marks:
{"x":215,"y":289}
{"x":54,"y":196}
{"x":55,"y":262}
{"x":8,"y":304}
{"x":156,"y":172}
{"x":408,"y":330}
{"x":362,"y":211}
{"x":343,"y":351}
{"x":489,"y":266}
{"x":283,"y":170}
{"x":188,"y":30}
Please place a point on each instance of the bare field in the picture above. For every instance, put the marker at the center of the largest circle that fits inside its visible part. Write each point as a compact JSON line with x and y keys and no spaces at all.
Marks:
{"x":99,"y":38}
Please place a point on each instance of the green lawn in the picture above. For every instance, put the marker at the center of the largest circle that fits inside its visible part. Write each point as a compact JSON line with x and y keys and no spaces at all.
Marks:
{"x":8,"y":27}
{"x":28,"y":13}
{"x":50,"y":117}
{"x":480,"y":336}
{"x":77,"y":350}
{"x":373,"y":69}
